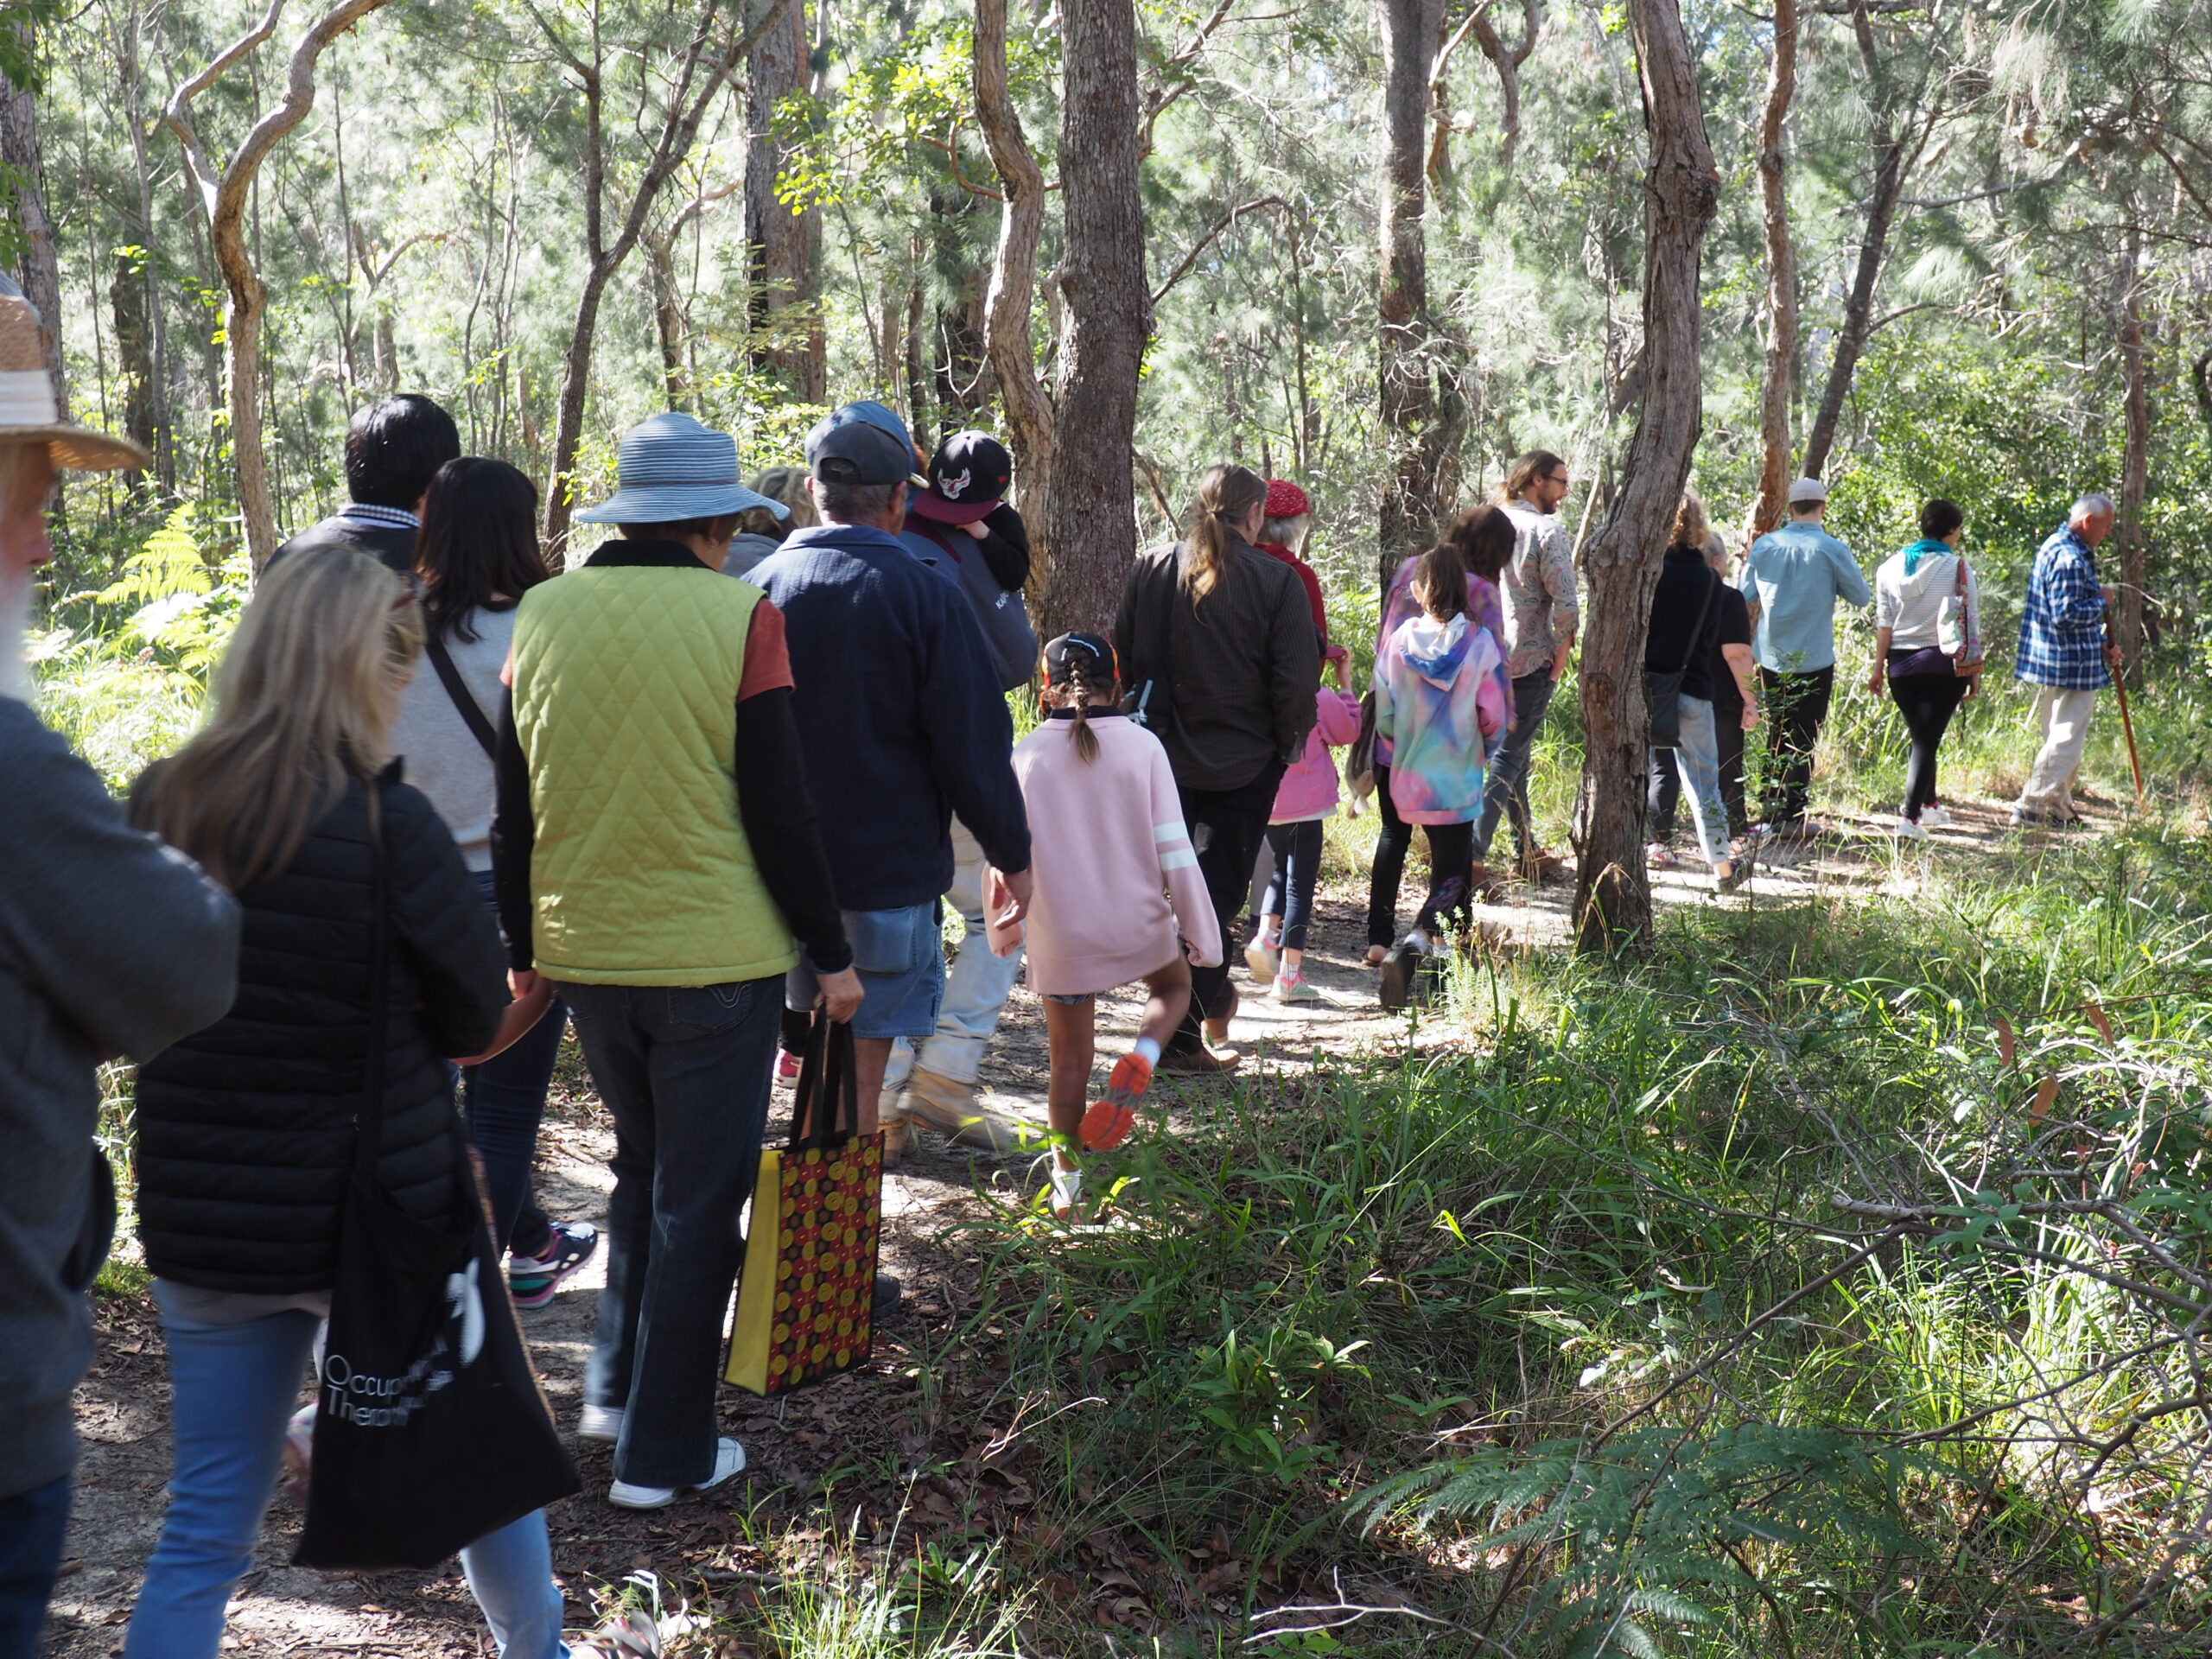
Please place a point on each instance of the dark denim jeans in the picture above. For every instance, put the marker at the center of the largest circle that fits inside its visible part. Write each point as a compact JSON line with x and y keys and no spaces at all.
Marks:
{"x":1298,"y":872}
{"x":503,"y":1100}
{"x":1506,"y":790}
{"x":683,"y":1071}
{"x":31,"y":1527}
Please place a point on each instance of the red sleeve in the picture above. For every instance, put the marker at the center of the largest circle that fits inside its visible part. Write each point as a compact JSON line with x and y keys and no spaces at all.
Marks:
{"x":1306,"y":575}
{"x":767,"y":659}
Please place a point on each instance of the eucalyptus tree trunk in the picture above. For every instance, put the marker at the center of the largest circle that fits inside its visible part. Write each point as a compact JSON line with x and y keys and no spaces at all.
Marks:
{"x":1414,"y":424}
{"x":1092,"y":515}
{"x":1897,"y":147}
{"x":39,"y":268}
{"x":1031,"y":422}
{"x":1776,"y":396}
{"x":699,"y":75}
{"x":2135,"y":465}
{"x":1612,"y":904}
{"x":224,"y":191}
{"x":781,"y":245}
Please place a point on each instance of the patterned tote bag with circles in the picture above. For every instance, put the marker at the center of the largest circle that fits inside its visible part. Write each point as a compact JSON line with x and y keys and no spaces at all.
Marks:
{"x":805,"y":1303}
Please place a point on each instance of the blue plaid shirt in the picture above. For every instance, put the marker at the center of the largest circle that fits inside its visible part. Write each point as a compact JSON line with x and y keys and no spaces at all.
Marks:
{"x":2062,"y":627}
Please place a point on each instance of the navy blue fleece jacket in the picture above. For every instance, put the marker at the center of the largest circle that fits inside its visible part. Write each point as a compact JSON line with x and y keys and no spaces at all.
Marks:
{"x":900,"y":720}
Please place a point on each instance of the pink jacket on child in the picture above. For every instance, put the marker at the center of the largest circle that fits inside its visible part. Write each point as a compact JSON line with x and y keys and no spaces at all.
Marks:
{"x":1108,"y":851}
{"x":1309,"y":789}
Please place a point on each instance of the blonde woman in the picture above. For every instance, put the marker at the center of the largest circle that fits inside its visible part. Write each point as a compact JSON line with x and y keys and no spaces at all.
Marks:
{"x":1683,"y":642}
{"x":246,"y":1131}
{"x":1218,"y":640}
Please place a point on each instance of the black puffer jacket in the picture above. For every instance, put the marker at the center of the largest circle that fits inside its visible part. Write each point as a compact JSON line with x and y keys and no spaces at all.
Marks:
{"x":245,"y":1131}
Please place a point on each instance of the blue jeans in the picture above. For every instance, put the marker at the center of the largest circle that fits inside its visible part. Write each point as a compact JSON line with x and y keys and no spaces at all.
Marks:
{"x":32,"y":1525}
{"x":504,"y":1101}
{"x":684,"y":1072}
{"x":975,"y":989}
{"x":1297,"y":848}
{"x":1507,"y":789}
{"x":235,"y":1387}
{"x":1696,"y":756}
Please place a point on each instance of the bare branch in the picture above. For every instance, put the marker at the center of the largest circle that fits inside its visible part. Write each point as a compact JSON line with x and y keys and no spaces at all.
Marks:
{"x":1183,"y":269}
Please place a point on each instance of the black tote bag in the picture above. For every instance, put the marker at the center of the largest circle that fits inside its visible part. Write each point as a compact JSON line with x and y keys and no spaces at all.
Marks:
{"x":430,"y":1430}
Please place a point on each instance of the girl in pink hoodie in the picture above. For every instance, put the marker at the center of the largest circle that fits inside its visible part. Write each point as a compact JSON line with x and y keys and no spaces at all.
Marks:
{"x":1115,"y":879}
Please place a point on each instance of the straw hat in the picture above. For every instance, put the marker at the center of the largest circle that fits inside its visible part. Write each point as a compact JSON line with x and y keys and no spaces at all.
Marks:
{"x":28,"y":411}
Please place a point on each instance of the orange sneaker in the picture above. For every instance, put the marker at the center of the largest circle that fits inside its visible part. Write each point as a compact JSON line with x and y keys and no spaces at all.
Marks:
{"x":1112,"y":1116}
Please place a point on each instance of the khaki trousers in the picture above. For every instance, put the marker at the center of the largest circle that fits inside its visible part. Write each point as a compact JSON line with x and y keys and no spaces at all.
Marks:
{"x":2063,"y":717}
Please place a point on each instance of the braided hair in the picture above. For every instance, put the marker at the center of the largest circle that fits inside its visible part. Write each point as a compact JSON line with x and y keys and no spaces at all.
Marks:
{"x":1084,"y":679}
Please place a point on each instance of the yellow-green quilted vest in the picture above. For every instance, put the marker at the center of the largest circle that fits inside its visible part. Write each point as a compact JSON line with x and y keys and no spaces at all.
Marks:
{"x":625,"y":683}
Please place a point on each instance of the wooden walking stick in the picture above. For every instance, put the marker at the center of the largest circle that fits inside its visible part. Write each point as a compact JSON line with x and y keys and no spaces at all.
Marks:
{"x":2126,"y":724}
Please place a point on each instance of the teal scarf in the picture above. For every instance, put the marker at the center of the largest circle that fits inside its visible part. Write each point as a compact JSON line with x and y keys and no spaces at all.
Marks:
{"x":1921,"y":550}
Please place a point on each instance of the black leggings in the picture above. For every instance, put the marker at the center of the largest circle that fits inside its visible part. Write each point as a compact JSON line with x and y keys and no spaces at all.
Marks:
{"x":1226,"y":828}
{"x":1451,"y":857}
{"x":1927,"y":701}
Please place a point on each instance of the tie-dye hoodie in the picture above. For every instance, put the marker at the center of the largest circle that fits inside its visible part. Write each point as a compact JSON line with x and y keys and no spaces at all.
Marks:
{"x":1438,"y":701}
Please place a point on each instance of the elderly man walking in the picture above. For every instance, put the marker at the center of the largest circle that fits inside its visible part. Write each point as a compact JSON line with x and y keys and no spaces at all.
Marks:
{"x":1791,"y":581}
{"x":901,"y":724}
{"x":109,"y":944}
{"x":2064,"y":654}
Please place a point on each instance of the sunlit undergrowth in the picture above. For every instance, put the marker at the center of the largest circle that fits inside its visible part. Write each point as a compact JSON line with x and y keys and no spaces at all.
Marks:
{"x":1834,"y":1283}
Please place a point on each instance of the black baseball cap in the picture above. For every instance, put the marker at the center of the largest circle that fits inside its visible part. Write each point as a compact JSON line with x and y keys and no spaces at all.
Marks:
{"x":1090,"y":649}
{"x":968,"y":479}
{"x":850,"y":445}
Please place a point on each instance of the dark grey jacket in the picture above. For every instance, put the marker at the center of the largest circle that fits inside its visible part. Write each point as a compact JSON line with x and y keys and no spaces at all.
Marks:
{"x":109,"y":944}
{"x":1242,"y":665}
{"x":1001,"y":613}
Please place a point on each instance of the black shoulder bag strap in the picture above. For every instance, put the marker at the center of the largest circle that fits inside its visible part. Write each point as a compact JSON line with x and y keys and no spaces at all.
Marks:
{"x":369,"y":1124}
{"x":1697,"y":628}
{"x":464,"y":704}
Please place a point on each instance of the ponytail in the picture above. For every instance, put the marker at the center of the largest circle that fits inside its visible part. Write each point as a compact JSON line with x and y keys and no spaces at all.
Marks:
{"x":1226,"y":494}
{"x":1078,"y":683}
{"x":1085,"y":740}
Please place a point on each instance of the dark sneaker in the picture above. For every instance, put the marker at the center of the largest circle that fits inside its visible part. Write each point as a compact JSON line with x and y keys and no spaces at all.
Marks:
{"x":531,"y":1279}
{"x":1401,"y":974}
{"x":889,"y":1293}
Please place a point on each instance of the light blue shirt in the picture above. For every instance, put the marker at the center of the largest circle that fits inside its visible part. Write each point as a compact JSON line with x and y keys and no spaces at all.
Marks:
{"x":1794,"y":575}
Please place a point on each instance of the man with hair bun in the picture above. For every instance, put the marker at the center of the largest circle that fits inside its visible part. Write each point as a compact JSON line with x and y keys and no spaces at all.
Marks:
{"x":1541,"y":616}
{"x":2064,"y":655}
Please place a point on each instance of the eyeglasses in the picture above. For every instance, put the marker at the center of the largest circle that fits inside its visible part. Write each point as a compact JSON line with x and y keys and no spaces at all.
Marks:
{"x":1559,"y":479}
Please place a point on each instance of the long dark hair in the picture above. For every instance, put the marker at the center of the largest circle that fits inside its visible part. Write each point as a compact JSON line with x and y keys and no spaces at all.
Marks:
{"x":1440,"y":582}
{"x":478,"y":544}
{"x":1484,"y":539}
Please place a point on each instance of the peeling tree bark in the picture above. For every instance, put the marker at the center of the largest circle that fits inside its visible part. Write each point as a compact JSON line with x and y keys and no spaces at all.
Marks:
{"x":1780,"y":390}
{"x":1031,"y":420}
{"x":781,"y":245}
{"x":1093,"y":516}
{"x":223,"y":192}
{"x":1621,"y":563}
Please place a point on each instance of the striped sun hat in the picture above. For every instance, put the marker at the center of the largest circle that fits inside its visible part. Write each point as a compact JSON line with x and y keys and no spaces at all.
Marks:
{"x":670,"y":469}
{"x":29,"y":413}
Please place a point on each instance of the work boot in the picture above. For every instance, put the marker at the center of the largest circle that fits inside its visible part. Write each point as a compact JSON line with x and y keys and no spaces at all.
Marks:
{"x":949,"y":1107}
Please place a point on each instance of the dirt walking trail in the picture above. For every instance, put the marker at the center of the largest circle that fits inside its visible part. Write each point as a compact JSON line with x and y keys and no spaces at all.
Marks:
{"x":280,"y":1609}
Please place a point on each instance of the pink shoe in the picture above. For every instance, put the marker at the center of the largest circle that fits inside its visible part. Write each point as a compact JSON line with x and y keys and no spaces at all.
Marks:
{"x":786,"y":1066}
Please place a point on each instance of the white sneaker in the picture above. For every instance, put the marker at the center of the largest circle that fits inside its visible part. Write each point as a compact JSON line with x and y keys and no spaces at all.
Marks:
{"x":1934,"y":817}
{"x":600,"y":1423}
{"x":729,"y":1459}
{"x":1908,"y":831}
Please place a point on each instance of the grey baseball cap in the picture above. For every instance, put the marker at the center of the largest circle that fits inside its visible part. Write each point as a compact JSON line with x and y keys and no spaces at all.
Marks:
{"x":862,"y":443}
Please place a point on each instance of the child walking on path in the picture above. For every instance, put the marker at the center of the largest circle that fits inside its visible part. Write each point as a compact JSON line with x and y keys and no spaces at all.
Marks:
{"x":1117,"y":878}
{"x":1438,"y":701}
{"x":1308,"y":795}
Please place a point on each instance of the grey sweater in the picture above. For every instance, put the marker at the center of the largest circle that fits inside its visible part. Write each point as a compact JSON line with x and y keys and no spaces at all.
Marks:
{"x":109,"y":944}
